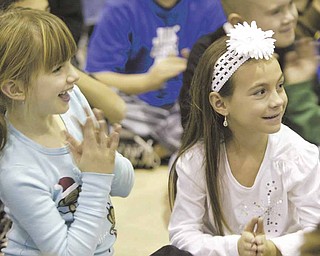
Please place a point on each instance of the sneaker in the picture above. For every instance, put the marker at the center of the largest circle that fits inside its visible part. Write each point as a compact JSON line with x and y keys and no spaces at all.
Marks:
{"x":140,"y":153}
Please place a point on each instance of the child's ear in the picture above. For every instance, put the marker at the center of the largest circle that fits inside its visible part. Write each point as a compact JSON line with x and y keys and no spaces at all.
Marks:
{"x":13,"y":90}
{"x":235,"y":18}
{"x":218,"y":103}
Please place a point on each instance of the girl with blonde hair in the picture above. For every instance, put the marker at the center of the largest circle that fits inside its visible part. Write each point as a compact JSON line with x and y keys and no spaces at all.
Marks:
{"x":58,"y":167}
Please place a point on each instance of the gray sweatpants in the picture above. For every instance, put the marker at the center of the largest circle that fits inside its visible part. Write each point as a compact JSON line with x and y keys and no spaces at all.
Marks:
{"x":163,"y":125}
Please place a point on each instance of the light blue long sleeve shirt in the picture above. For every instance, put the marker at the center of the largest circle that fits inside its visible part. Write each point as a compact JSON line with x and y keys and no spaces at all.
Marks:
{"x":56,"y":209}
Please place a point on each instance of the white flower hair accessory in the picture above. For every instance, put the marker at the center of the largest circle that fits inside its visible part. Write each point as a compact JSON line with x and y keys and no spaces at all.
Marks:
{"x":246,"y":41}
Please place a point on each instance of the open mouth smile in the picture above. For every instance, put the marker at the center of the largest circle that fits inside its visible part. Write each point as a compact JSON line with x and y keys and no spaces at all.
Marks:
{"x":64,"y":95}
{"x":271,"y":117}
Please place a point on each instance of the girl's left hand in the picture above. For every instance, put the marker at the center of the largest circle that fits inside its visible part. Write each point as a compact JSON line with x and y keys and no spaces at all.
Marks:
{"x":96,"y":153}
{"x":264,"y":247}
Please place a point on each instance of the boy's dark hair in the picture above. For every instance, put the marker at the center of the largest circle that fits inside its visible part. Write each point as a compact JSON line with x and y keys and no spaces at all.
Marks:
{"x":5,"y":4}
{"x":170,"y":250}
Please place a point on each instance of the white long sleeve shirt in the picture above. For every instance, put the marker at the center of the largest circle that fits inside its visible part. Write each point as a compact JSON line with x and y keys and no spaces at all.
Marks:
{"x":286,"y":193}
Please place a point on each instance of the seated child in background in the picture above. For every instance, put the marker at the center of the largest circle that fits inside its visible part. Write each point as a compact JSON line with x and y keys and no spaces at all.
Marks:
{"x":145,"y":59}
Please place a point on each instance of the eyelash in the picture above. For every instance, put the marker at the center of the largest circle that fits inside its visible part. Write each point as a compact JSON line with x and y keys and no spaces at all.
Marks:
{"x":263,"y":91}
{"x":275,"y":12}
{"x":281,"y":86}
{"x":57,"y":69}
{"x":260,"y":92}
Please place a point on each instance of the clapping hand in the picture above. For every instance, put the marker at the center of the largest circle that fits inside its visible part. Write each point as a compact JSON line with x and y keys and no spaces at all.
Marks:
{"x":246,"y":243}
{"x":96,"y":153}
{"x":264,"y":247}
{"x":253,"y":241}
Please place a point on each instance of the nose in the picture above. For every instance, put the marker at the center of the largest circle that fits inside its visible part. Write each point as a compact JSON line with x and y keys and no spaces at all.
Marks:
{"x":291,"y":13}
{"x":73,"y":75}
{"x":277,"y":99}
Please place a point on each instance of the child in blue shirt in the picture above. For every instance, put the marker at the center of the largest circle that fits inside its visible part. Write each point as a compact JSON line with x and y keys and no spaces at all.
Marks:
{"x":121,"y":54}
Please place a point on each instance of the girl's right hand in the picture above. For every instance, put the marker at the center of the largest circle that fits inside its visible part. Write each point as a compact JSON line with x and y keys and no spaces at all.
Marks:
{"x":264,"y":247}
{"x":96,"y":153}
{"x":246,"y":243}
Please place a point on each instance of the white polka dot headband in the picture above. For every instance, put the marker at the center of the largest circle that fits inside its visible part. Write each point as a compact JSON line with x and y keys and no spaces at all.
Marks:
{"x":246,"y":41}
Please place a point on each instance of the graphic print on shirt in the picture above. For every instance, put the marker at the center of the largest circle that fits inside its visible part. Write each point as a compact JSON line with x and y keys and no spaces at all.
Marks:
{"x":69,"y":197}
{"x":68,"y":202}
{"x":166,"y":43}
{"x":268,"y":208}
{"x":112,"y":218}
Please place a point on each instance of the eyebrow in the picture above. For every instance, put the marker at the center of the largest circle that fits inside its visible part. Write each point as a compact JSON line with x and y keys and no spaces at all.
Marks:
{"x":263,"y":83}
{"x":277,"y":7}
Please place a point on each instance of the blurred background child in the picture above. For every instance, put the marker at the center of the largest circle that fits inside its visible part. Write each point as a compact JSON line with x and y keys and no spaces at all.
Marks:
{"x":139,"y":47}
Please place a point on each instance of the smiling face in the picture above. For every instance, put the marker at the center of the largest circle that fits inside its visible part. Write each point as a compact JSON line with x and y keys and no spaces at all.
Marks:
{"x":50,"y":90}
{"x":277,"y":15}
{"x":258,"y":101}
{"x":42,"y":66}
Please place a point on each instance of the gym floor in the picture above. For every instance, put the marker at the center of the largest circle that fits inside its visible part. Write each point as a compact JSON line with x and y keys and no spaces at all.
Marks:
{"x":142,"y":217}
